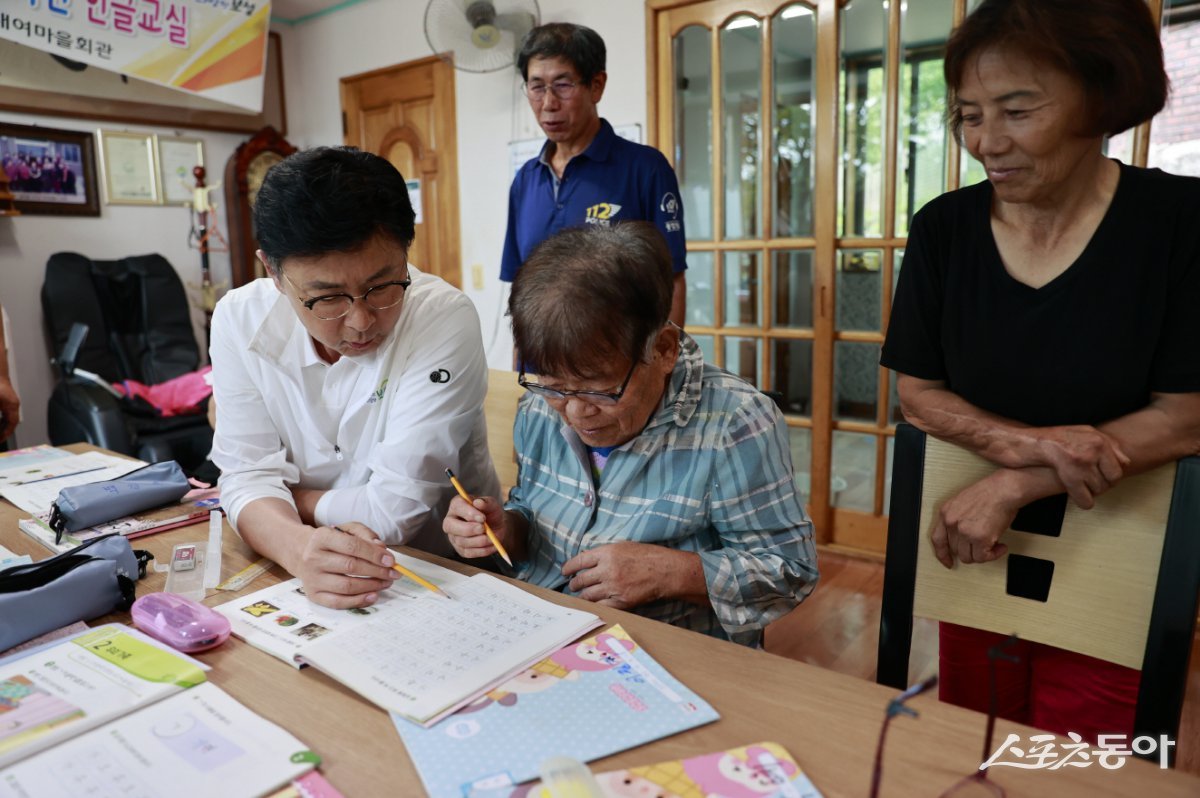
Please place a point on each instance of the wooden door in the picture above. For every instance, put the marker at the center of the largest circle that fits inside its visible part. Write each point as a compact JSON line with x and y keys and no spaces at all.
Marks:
{"x":406,"y":114}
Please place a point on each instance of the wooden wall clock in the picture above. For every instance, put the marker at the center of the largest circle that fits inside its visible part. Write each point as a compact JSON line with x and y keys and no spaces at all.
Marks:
{"x":243,"y":176}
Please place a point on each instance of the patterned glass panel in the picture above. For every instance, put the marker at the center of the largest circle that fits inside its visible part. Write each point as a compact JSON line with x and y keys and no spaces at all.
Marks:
{"x":743,"y":290}
{"x":862,"y":57}
{"x":741,"y":99}
{"x":742,"y":356}
{"x":852,"y":481}
{"x":855,"y":380}
{"x":693,"y":128}
{"x":701,"y":293}
{"x":794,"y":44}
{"x":859,"y":289}
{"x":791,"y":374}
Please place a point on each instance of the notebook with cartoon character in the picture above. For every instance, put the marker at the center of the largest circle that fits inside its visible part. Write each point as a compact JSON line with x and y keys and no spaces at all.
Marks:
{"x":761,"y":770}
{"x":586,"y":701}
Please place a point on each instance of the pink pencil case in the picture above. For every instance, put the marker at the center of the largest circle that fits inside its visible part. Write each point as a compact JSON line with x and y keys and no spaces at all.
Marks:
{"x":181,"y":623}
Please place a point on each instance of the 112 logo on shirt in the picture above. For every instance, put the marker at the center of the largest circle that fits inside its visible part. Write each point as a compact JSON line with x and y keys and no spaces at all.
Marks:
{"x":602,"y":213}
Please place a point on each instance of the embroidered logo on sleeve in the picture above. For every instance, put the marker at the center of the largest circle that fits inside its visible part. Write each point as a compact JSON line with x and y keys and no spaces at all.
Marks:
{"x":377,"y":394}
{"x":670,"y":206}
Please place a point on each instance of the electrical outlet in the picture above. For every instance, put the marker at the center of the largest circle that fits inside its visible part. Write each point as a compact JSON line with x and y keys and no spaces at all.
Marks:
{"x":477,"y":276}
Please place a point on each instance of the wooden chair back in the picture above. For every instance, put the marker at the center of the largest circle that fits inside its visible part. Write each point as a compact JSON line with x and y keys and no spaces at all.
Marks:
{"x":1123,"y":577}
{"x":500,"y":409}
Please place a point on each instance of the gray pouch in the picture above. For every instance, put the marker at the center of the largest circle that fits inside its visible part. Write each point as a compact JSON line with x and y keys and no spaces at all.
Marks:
{"x":81,"y":506}
{"x":88,"y":581}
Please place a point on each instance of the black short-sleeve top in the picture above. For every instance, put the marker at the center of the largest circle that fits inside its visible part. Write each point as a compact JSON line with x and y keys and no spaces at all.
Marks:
{"x":1091,"y":345}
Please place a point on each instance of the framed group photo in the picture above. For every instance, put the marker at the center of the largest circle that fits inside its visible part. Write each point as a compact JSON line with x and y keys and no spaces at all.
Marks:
{"x":50,"y":171}
{"x":129,"y":162}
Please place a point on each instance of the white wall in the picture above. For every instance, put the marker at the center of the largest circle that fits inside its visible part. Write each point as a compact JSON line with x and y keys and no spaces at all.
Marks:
{"x":26,"y":242}
{"x":491,"y":111}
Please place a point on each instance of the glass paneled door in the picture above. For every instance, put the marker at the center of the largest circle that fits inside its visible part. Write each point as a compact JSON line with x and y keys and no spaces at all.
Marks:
{"x":805,"y":135}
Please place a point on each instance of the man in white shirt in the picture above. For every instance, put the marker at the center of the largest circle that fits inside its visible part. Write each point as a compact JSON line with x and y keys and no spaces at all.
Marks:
{"x":345,"y":383}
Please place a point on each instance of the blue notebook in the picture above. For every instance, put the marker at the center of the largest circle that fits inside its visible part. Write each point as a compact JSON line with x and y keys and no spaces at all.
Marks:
{"x":586,"y":701}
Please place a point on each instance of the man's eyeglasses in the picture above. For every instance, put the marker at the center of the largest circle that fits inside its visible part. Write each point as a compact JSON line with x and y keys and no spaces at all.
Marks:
{"x":593,"y":397}
{"x":562,"y":89}
{"x":335,"y":306}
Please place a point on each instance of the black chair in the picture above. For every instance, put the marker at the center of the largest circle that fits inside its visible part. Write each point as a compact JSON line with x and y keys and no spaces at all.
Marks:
{"x":115,"y":320}
{"x":1119,"y":582}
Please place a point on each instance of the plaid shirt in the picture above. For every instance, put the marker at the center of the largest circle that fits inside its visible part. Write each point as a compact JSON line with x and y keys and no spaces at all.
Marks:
{"x":711,"y":473}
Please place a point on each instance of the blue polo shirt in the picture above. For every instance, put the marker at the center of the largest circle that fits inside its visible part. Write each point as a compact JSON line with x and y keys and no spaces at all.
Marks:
{"x":613,"y":180}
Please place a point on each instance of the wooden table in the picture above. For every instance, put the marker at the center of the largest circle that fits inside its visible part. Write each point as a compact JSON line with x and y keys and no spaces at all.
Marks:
{"x":828,"y":721}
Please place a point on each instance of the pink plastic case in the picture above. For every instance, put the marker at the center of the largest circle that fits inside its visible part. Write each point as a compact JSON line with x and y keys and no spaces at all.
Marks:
{"x":179,"y":622}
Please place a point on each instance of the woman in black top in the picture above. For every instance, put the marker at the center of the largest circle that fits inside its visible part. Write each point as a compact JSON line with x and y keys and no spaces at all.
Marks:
{"x":1048,"y":318}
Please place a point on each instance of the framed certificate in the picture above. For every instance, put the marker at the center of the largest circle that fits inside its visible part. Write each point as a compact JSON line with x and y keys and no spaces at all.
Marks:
{"x":130,"y":167}
{"x":177,"y":157}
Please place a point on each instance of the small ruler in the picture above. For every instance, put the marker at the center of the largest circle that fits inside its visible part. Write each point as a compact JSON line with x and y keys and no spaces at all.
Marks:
{"x":246,"y":575}
{"x":212,"y":555}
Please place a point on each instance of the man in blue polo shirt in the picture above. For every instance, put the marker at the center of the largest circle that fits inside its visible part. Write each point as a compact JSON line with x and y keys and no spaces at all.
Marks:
{"x":586,"y":173}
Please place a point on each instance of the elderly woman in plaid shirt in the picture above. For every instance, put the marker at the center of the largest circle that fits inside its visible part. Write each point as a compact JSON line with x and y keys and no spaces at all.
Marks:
{"x":648,"y":481}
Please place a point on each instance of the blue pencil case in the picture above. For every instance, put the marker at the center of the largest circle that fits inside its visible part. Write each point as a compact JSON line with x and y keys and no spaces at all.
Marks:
{"x":90,"y":580}
{"x":81,"y":506}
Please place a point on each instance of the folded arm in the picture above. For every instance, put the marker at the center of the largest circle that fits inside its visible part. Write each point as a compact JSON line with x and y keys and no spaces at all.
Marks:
{"x":1038,"y":462}
{"x":1086,"y":460}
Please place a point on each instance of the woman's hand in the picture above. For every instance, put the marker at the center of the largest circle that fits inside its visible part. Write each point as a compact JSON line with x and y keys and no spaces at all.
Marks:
{"x":1087,"y":461}
{"x":344,"y":566}
{"x":622,"y":575}
{"x":969,"y":524}
{"x":464,"y":522}
{"x":627,"y":575}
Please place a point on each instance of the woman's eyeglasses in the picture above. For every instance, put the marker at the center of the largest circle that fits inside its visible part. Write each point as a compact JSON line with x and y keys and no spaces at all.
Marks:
{"x":593,"y":397}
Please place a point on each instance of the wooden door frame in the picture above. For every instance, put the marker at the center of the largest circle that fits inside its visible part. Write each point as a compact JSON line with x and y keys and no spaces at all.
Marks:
{"x":660,"y":126}
{"x":449,"y":243}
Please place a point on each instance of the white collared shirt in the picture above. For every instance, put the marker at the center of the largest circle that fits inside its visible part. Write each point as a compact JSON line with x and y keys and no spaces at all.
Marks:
{"x":373,"y":431}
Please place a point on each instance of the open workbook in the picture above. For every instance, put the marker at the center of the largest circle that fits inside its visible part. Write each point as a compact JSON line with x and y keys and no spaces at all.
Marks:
{"x":111,"y":712}
{"x":413,"y":652}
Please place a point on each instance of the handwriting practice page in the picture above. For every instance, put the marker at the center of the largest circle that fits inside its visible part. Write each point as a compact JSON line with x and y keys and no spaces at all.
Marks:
{"x":436,"y":654}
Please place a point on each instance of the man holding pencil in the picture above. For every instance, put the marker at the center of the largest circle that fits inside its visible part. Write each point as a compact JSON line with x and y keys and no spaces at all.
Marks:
{"x":345,"y":382}
{"x":647,"y":479}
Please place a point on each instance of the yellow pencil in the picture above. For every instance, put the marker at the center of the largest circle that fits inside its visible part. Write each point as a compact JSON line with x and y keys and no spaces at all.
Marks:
{"x":425,"y":583}
{"x":400,"y":569}
{"x":467,"y":498}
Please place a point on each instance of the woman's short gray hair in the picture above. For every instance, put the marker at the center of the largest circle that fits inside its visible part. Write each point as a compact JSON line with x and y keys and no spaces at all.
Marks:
{"x":591,"y":295}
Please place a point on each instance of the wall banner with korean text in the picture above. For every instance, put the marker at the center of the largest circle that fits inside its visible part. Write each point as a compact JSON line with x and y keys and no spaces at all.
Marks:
{"x":212,"y":48}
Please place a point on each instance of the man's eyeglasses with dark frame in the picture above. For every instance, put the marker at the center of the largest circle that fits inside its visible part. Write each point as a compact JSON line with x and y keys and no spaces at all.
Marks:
{"x":376,"y":297}
{"x":593,"y":397}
